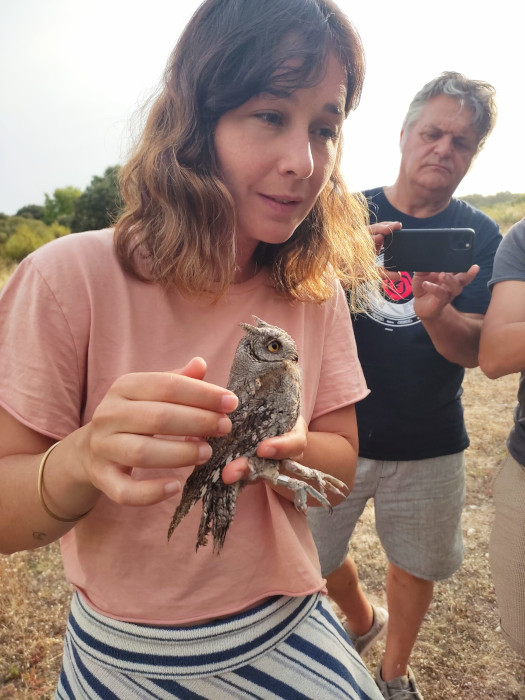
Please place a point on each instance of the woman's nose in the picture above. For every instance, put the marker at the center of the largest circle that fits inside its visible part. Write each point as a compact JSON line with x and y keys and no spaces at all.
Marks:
{"x":296,"y":157}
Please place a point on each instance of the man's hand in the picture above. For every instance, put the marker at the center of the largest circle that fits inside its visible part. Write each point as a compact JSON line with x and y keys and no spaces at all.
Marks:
{"x":434,"y":290}
{"x":382,"y":229}
{"x":378,"y":233}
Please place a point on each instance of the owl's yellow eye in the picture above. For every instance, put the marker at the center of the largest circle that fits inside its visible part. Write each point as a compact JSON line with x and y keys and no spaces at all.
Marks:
{"x":274,"y":346}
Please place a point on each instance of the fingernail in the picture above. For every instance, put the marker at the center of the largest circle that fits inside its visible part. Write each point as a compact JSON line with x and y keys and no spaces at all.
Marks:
{"x":205,"y":453}
{"x":229,"y":403}
{"x":172,"y":488}
{"x":224,"y":426}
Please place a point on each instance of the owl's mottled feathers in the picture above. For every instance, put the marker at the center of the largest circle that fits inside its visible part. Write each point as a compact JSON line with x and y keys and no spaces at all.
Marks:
{"x":265,"y":377}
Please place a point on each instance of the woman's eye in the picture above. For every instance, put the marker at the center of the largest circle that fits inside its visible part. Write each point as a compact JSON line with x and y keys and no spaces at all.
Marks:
{"x":270,"y":118}
{"x":327,"y":134}
{"x":274,"y":346}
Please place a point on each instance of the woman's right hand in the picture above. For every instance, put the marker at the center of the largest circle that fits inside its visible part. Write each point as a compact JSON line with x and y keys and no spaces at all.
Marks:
{"x":153,"y":420}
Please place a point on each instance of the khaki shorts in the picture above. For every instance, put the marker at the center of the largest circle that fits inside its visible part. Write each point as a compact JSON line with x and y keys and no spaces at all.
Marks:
{"x":418,"y":506}
{"x":507,"y":550}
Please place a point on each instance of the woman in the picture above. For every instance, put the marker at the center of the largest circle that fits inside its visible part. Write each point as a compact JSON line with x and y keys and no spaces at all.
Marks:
{"x":234,"y":207}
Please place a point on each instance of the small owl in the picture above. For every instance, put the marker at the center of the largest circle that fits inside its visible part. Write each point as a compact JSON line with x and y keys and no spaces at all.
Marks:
{"x":266,"y":379}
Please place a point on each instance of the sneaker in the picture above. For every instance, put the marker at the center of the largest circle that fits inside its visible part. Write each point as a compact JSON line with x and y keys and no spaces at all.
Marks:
{"x":401,"y":688}
{"x":363,"y":642}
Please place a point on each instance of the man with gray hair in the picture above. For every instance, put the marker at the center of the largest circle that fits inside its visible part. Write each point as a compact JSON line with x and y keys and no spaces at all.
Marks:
{"x":414,"y":344}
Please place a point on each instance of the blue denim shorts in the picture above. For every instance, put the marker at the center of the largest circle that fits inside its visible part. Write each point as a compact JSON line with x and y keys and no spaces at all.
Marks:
{"x":417,"y":506}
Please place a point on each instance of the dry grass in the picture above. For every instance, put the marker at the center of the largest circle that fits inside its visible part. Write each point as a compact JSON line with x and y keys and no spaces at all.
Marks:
{"x":460,"y":653}
{"x":34,"y":601}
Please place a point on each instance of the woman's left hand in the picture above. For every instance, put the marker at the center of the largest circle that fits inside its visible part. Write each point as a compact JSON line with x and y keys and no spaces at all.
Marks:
{"x":290,"y":445}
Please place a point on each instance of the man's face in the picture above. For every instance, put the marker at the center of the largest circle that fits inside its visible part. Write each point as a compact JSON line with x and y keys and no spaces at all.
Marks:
{"x":437,"y":150}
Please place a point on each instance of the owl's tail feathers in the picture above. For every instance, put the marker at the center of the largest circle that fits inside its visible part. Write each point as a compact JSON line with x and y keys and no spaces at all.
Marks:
{"x":218,"y":509}
{"x":190,"y":495}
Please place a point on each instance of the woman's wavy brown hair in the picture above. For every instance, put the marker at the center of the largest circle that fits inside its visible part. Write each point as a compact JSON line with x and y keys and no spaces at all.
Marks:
{"x":178,"y":225}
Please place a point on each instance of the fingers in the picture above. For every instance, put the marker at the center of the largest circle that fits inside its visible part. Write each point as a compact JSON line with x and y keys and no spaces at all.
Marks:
{"x":384,"y":228}
{"x":120,"y":486}
{"x":235,"y":471}
{"x":165,"y":403}
{"x":172,"y":387}
{"x":145,"y":452}
{"x":447,"y":283}
{"x":154,"y":420}
{"x":471,"y":274}
{"x":434,"y":290}
{"x":289,"y":445}
{"x":123,"y":415}
{"x":390,"y":275}
{"x":195,"y":368}
{"x":378,"y":232}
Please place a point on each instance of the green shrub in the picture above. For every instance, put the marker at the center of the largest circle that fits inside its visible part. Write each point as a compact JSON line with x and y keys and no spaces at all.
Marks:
{"x":25,"y":240}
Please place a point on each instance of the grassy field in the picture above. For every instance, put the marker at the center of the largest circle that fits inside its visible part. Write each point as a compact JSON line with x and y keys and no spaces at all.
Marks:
{"x":460,"y":654}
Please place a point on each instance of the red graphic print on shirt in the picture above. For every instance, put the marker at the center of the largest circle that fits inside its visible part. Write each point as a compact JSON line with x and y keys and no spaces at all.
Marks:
{"x":400,"y":289}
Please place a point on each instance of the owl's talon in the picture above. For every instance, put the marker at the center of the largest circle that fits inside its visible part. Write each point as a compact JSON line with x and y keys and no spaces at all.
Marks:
{"x":301,"y":494}
{"x":323,"y":481}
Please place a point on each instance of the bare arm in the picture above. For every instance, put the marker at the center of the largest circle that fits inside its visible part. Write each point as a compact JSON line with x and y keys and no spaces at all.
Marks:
{"x":100,"y":456}
{"x":502,"y":347}
{"x":455,"y":335}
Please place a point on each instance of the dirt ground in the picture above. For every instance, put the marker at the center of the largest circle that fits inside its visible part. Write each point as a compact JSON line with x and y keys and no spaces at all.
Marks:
{"x":460,"y":653}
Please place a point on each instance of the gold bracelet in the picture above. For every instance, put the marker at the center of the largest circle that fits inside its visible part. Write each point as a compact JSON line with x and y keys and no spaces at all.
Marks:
{"x":41,"y":490}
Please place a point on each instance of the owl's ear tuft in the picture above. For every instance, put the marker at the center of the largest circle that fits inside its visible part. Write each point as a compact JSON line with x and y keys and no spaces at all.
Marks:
{"x":260,"y":324}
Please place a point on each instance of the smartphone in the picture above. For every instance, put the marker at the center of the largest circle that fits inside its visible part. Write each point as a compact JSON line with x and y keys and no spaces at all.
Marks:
{"x":429,"y":250}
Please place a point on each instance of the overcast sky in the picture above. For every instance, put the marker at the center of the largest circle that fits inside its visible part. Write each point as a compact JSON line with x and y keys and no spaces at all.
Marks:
{"x":73,"y":74}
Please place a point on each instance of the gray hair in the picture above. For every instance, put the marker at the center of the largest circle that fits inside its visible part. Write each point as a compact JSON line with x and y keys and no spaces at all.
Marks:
{"x":477,"y":95}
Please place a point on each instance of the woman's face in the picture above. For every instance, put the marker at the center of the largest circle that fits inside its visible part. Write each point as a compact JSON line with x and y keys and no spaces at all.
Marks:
{"x":276,"y":154}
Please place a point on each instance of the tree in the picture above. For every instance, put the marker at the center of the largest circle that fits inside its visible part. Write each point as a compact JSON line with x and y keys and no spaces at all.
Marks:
{"x":61,"y":205}
{"x":32,"y":211}
{"x":99,"y":204}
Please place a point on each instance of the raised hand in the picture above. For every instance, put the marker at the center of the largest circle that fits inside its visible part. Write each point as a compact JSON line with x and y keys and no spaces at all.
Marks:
{"x":434,"y":290}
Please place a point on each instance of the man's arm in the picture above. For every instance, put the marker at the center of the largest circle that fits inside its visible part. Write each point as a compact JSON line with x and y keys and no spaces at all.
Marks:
{"x":455,"y":334}
{"x":502,"y":347}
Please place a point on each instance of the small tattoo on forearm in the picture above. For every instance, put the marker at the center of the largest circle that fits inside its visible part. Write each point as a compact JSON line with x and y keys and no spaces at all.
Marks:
{"x":39,"y":535}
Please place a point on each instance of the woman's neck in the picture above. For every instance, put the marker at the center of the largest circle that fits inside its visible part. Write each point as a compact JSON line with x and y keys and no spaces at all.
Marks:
{"x":245,"y":273}
{"x":246,"y":265}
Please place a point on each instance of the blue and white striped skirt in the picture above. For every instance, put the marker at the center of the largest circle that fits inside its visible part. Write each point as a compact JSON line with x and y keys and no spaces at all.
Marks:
{"x":284,"y":648}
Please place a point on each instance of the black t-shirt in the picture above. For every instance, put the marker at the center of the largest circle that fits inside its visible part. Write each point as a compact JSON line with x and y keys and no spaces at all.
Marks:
{"x":414,"y":409}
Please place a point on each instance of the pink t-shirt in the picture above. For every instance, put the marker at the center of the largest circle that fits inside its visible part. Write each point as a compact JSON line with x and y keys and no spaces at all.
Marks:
{"x":71,"y":322}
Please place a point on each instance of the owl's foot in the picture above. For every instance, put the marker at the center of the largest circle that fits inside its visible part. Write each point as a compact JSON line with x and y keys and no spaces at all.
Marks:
{"x":268,"y":470}
{"x":323,"y":481}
